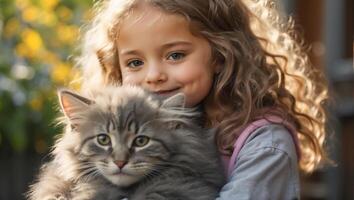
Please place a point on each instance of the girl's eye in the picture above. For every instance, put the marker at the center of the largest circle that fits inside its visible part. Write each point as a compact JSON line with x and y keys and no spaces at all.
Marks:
{"x":103,"y":139}
{"x":176,"y":56}
{"x":135,"y":63}
{"x":141,"y":141}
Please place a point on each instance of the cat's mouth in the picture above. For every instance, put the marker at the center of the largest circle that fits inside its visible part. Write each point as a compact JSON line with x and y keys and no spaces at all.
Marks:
{"x":120,"y":173}
{"x":120,"y":178}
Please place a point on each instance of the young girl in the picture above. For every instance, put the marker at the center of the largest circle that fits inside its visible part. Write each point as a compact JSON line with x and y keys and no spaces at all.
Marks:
{"x":237,"y":60}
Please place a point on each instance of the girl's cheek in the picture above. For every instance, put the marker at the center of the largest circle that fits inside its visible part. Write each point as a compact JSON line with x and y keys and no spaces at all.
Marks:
{"x":191,"y":74}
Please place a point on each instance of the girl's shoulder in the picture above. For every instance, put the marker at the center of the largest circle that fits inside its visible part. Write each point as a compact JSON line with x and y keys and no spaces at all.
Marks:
{"x":270,"y":136}
{"x":266,"y":137}
{"x":266,"y":166}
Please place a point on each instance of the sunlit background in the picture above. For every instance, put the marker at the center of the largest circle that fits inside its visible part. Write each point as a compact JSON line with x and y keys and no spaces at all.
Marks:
{"x":39,"y":41}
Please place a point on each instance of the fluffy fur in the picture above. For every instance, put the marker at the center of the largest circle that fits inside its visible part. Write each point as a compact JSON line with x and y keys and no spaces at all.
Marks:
{"x":125,"y":142}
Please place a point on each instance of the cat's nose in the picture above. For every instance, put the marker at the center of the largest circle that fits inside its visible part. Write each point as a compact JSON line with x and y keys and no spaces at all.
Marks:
{"x":120,"y":163}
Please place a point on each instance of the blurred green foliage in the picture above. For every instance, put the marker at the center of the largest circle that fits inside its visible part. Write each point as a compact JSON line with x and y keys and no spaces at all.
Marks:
{"x":37,"y":39}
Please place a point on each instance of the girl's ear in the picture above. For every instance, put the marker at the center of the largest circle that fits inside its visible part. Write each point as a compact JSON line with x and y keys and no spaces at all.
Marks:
{"x":177,"y":100}
{"x":72,"y":103}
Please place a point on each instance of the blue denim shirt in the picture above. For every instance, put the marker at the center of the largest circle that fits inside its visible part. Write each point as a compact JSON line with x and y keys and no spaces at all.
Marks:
{"x":267,"y":167}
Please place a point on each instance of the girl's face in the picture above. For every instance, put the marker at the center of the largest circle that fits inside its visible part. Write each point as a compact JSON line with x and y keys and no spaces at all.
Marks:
{"x":158,"y":52}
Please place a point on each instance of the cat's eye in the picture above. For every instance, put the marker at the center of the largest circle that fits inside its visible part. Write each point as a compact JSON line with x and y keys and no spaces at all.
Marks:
{"x":103,"y":139}
{"x":141,"y":141}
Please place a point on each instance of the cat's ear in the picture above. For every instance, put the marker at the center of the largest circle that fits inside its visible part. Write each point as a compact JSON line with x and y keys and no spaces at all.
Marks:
{"x":72,"y":103}
{"x":177,"y":100}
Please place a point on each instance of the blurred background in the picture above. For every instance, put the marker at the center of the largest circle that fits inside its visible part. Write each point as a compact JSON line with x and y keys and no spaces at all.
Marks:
{"x":39,"y":38}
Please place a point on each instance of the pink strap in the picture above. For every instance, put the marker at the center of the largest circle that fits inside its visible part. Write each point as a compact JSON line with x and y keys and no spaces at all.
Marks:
{"x":230,"y":162}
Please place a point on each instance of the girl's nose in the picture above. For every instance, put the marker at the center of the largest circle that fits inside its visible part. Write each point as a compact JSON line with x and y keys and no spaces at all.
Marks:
{"x":155,"y":74}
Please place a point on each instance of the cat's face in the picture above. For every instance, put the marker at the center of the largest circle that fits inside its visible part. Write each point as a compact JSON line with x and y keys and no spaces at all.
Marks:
{"x":123,"y":153}
{"x":122,"y":133}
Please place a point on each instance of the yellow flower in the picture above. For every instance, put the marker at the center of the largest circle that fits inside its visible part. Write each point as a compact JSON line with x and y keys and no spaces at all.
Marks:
{"x":31,"y":46}
{"x":48,"y":18}
{"x":11,"y":27}
{"x":67,"y":33}
{"x":49,"y":4}
{"x":30,"y":14}
{"x":32,"y":40}
{"x":23,"y":51}
{"x":61,"y":73}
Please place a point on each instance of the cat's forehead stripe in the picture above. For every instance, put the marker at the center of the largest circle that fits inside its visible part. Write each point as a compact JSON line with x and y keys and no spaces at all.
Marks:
{"x":110,"y":125}
{"x":113,"y":123}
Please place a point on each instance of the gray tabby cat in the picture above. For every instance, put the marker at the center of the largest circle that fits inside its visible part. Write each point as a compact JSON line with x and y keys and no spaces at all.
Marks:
{"x":126,"y":142}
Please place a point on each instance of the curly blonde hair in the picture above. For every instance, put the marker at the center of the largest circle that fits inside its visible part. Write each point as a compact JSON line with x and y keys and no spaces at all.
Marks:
{"x":264,"y":66}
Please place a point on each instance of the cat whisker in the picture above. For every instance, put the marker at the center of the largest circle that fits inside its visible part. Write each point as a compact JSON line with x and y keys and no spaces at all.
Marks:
{"x":84,"y":166}
{"x":150,"y":175}
{"x":93,"y":174}
{"x":87,"y":175}
{"x":86,"y":171}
